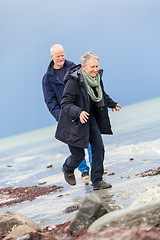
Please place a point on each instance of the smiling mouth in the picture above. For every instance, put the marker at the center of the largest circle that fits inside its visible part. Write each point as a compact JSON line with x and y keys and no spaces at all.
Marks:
{"x":60,"y":62}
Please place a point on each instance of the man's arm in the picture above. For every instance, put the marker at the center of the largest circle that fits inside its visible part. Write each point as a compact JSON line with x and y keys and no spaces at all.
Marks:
{"x":50,"y":99}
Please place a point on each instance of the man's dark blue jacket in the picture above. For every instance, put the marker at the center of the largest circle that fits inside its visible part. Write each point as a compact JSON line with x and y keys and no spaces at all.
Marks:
{"x":53,"y":88}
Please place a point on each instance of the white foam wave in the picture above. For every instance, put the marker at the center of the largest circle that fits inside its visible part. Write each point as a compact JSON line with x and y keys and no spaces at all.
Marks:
{"x":151,"y":148}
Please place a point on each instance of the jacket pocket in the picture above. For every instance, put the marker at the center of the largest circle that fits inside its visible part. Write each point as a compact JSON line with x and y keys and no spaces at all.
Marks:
{"x":76,"y":128}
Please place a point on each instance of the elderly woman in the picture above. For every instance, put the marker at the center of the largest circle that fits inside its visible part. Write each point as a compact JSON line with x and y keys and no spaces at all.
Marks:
{"x":84,"y":117}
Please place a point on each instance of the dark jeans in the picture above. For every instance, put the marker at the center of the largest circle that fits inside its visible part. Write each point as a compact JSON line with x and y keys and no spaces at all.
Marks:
{"x":78,"y":154}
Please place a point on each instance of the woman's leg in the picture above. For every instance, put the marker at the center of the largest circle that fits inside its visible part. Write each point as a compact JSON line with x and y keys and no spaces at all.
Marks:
{"x":73,"y":161}
{"x":97,"y":146}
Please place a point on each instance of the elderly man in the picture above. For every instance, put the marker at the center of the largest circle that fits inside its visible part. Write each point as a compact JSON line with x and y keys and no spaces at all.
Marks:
{"x":53,"y":87}
{"x":84,"y":117}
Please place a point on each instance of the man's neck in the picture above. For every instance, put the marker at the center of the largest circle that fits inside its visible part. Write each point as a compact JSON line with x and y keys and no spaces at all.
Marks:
{"x":57,"y":67}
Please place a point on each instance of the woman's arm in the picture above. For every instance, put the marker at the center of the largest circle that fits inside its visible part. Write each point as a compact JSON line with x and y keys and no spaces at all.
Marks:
{"x":69,"y":99}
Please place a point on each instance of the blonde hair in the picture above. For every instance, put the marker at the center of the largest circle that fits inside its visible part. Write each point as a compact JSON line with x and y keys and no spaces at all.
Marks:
{"x":87,"y":56}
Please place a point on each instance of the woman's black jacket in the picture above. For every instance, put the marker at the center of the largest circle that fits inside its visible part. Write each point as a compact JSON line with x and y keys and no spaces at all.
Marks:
{"x":75,"y":99}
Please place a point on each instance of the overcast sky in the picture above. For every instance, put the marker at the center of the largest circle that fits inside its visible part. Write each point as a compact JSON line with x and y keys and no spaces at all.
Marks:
{"x":124,"y":34}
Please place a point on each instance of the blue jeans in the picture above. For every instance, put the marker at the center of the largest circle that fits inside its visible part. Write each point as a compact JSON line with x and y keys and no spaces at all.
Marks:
{"x":83,"y":165}
{"x":78,"y":154}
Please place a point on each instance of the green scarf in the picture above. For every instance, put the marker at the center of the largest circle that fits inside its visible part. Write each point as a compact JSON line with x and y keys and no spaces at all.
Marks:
{"x":93,"y":82}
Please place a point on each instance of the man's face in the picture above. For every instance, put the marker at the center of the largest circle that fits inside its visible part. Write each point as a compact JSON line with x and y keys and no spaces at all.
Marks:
{"x":92,"y":67}
{"x":58,"y":58}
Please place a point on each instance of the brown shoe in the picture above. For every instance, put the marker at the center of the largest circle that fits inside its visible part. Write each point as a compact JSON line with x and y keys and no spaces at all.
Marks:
{"x":101,"y":185}
{"x":69,"y":177}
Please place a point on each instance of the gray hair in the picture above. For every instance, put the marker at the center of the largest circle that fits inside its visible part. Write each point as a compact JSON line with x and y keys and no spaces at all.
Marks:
{"x":54,"y":47}
{"x":87,"y":56}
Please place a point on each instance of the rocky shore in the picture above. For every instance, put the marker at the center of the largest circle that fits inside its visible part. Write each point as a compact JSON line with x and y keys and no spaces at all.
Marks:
{"x":96,"y":218}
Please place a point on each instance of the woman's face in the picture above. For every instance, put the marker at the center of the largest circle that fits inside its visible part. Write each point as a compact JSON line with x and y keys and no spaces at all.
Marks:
{"x":92,"y":67}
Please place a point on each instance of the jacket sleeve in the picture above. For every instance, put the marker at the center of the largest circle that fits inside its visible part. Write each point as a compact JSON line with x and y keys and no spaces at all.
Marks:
{"x":69,"y":100}
{"x":110,"y":103}
{"x":50,"y":98}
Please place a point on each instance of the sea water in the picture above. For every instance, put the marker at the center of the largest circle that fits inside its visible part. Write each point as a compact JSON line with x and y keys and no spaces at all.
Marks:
{"x":133,"y":149}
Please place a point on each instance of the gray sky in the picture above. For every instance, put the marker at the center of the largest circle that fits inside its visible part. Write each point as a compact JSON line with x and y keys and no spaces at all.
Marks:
{"x":124,"y":34}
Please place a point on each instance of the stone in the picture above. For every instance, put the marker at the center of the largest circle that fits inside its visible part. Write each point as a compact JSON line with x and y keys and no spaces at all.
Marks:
{"x":139,"y":232}
{"x":145,"y":213}
{"x":91,"y":209}
{"x":9,"y":220}
{"x":72,"y":208}
{"x":72,"y":216}
{"x":25,"y":237}
{"x":19,"y":232}
{"x":151,"y":194}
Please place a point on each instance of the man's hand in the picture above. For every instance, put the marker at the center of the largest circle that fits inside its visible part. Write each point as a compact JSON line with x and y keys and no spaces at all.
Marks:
{"x":117,"y":108}
{"x":84,"y":116}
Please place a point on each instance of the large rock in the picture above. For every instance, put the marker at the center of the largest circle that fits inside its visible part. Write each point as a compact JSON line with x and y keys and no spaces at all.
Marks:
{"x":146,"y":213}
{"x":8,"y":220}
{"x":19,"y":232}
{"x":91,"y":209}
{"x":142,"y":231}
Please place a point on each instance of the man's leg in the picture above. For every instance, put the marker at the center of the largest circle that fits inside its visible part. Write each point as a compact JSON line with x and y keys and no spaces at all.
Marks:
{"x":83,"y":166}
{"x":90,"y":154}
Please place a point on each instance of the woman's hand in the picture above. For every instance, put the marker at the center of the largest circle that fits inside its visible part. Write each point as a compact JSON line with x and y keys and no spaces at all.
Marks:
{"x":117,"y":108}
{"x":84,"y":116}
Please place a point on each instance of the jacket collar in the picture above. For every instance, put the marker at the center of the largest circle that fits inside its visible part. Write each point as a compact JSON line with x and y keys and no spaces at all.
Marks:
{"x":51,"y":72}
{"x":76,"y":72}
